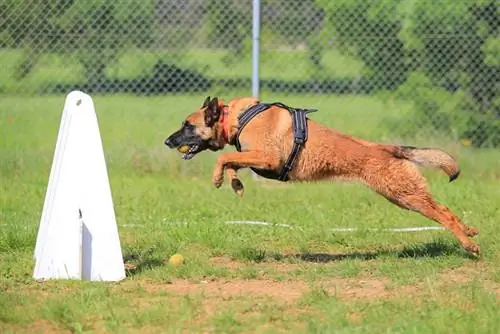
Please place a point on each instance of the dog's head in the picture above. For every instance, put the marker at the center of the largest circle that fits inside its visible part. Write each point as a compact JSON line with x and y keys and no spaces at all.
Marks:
{"x":199,"y":131}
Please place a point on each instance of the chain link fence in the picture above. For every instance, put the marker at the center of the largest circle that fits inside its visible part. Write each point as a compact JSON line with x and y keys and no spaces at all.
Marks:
{"x":442,"y":57}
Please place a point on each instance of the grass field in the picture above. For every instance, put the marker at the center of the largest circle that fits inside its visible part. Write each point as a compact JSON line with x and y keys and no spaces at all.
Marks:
{"x":246,"y":279}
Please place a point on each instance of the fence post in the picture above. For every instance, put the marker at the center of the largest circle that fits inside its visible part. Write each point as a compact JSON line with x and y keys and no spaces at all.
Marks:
{"x":255,"y":48}
{"x":255,"y":56}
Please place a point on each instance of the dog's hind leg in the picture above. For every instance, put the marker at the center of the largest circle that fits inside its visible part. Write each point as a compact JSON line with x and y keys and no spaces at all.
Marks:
{"x":413,"y":205}
{"x":406,"y":187}
{"x":425,"y":205}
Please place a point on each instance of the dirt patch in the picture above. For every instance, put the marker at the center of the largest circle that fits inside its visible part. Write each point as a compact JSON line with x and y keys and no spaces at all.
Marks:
{"x":494,"y":287}
{"x":291,"y":290}
{"x":354,"y":289}
{"x":460,"y":275}
{"x":280,"y":267}
{"x":226,"y":263}
{"x":38,"y":326}
{"x":355,"y":318}
{"x":284,"y":291}
{"x":225,"y":289}
{"x":467,"y":274}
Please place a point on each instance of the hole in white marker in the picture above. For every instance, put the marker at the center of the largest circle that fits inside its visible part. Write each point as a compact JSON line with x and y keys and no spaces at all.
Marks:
{"x":79,"y":102}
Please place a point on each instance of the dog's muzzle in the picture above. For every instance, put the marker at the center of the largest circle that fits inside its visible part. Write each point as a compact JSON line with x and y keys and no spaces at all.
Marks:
{"x":169,"y":142}
{"x":189,"y":150}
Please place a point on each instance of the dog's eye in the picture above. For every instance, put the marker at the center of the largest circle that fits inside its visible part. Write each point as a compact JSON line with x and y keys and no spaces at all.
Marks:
{"x":187,"y":125}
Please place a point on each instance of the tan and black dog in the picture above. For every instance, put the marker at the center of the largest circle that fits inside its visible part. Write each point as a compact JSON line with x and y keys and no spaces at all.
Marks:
{"x":267,"y":140}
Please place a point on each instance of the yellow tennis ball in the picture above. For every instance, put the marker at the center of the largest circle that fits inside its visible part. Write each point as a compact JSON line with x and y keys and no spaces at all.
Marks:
{"x":183,"y":149}
{"x":466,"y":142}
{"x":176,"y":259}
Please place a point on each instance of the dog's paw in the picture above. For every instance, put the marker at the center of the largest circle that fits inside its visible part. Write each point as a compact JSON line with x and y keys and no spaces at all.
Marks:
{"x":471,"y":231}
{"x":217,"y":182}
{"x":473,"y":249}
{"x":237,"y":187}
{"x":217,"y":179}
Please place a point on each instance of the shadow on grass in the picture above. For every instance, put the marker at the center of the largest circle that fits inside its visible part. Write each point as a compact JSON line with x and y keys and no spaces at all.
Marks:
{"x":136,"y":263}
{"x":431,"y":249}
{"x":426,"y":250}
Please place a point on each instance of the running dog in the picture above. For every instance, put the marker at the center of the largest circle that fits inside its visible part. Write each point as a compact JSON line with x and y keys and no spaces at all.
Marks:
{"x":279,"y":142}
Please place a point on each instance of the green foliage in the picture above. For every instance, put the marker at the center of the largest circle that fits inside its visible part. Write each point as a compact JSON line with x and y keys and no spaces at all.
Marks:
{"x":491,"y":49}
{"x":455,"y":47}
{"x":289,"y":22}
{"x":29,"y":24}
{"x":370,"y":30}
{"x":450,"y":113}
{"x":98,"y":38}
{"x":95,"y":32}
{"x":293,"y":21}
{"x":451,"y":48}
{"x":296,"y":22}
{"x":228,"y":28}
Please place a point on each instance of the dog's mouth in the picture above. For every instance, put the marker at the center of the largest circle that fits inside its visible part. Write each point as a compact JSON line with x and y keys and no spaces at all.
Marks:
{"x":189,"y":151}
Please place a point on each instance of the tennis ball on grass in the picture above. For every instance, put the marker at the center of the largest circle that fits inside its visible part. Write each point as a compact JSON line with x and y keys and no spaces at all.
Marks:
{"x":176,"y":259}
{"x":183,"y":149}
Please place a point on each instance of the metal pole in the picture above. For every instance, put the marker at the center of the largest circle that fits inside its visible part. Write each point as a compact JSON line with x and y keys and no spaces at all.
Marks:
{"x":255,"y":56}
{"x":255,"y":48}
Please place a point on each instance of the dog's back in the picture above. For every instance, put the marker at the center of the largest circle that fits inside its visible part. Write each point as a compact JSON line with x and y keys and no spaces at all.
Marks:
{"x":326,"y":154}
{"x":331,"y":154}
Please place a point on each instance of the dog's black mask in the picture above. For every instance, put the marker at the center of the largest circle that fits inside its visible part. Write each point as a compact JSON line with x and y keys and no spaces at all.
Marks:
{"x":187,"y":136}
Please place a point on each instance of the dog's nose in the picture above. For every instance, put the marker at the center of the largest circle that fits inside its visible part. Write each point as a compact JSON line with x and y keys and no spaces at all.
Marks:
{"x":168,"y":142}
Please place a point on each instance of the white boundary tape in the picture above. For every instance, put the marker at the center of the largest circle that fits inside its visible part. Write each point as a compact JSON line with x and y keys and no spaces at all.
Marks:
{"x":261,"y":223}
{"x":343,"y":229}
{"x":338,"y":229}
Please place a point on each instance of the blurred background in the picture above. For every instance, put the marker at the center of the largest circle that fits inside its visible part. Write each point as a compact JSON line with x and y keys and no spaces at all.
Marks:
{"x":439,"y":61}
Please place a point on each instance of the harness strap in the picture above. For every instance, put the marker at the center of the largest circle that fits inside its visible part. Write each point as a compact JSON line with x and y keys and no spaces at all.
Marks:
{"x":299,"y":125}
{"x":245,"y":117}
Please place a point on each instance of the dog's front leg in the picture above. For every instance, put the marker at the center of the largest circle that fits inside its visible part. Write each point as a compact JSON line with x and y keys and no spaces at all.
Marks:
{"x":236,"y":184}
{"x":237,"y":160}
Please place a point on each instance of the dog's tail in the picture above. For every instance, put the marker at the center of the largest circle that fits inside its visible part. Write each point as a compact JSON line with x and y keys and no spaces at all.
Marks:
{"x":433,"y":157}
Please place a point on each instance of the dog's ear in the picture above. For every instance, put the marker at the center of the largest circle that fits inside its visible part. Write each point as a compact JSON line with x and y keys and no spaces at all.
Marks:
{"x":205,"y":103}
{"x":212,"y":112}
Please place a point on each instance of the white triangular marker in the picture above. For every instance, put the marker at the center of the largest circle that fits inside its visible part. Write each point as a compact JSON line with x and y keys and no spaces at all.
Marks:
{"x":78,"y":236}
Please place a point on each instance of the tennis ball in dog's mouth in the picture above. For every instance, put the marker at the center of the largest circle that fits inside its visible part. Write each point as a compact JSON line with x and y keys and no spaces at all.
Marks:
{"x":176,"y":259}
{"x":183,"y":149}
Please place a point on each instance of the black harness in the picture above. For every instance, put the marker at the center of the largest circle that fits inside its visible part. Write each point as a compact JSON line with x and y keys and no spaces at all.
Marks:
{"x":299,"y":125}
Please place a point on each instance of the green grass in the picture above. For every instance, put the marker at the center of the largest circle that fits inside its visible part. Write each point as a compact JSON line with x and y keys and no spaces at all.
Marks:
{"x":246,"y":278}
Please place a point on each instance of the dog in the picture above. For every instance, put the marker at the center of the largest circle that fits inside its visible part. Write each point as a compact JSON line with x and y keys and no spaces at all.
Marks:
{"x":265,"y":143}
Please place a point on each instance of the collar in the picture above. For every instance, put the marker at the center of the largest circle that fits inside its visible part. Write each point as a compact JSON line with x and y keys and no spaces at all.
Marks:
{"x":225,"y":123}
